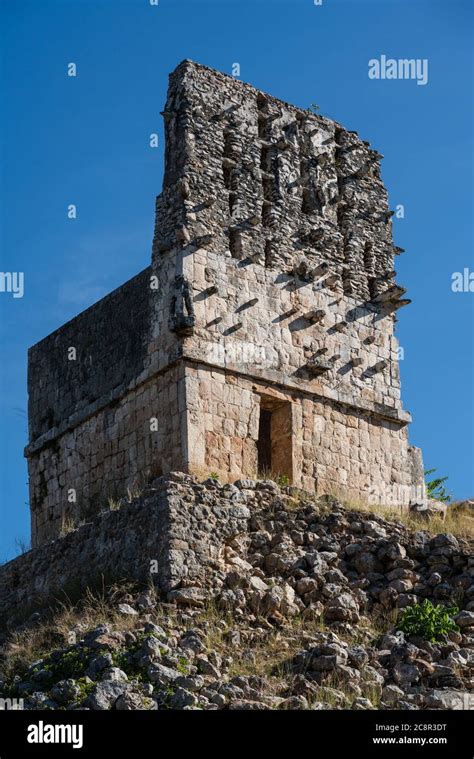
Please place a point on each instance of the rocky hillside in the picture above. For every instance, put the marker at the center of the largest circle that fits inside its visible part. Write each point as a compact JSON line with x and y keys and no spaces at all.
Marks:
{"x":301,"y":610}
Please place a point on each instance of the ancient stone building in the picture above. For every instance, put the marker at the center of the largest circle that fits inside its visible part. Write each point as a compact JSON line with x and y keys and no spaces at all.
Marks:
{"x":261,"y":337}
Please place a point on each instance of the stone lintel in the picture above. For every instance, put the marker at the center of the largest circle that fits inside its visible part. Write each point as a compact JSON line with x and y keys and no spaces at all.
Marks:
{"x":276,"y":379}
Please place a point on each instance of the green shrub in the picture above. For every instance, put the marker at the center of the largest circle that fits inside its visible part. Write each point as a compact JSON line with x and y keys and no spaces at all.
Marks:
{"x":282,"y":480}
{"x":125,"y":659}
{"x":435,"y":488}
{"x":85,"y":688}
{"x":428,"y":621}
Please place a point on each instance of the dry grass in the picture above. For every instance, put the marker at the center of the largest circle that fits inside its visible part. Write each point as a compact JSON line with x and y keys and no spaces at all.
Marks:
{"x":282,"y":480}
{"x":136,"y":491}
{"x":113,"y":504}
{"x":66,"y":625}
{"x":267,"y":648}
{"x":459,"y":523}
{"x":269,"y":654}
{"x":264,"y":650}
{"x":383,"y":620}
{"x":132,"y":493}
{"x":270,"y":649}
{"x":67,"y":525}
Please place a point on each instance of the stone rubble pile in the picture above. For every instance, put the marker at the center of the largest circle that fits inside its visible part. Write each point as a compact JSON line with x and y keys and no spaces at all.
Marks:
{"x":309,"y":587}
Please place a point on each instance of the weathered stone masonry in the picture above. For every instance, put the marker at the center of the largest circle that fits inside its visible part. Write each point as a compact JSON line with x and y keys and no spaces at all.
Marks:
{"x":261,"y":337}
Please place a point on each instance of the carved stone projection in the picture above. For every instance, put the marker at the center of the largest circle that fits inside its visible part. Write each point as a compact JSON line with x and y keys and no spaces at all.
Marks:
{"x":261,"y":338}
{"x":181,"y":320}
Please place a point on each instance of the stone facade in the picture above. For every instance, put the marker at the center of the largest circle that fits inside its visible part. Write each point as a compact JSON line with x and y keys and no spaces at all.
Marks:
{"x":262,"y":335}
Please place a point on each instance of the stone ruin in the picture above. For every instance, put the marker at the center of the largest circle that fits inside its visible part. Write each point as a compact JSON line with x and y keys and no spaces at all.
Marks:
{"x":260,"y":339}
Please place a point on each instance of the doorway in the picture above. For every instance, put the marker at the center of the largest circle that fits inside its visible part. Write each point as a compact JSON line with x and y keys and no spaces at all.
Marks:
{"x":275,"y":440}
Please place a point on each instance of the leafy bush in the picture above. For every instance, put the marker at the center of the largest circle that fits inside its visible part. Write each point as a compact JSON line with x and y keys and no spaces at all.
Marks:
{"x":435,"y":488}
{"x":282,"y":480}
{"x":428,"y":621}
{"x":63,"y":665}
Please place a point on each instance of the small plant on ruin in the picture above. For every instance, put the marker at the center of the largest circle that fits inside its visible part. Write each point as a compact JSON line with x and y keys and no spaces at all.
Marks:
{"x":282,"y":480}
{"x":435,"y":488}
{"x":428,"y":621}
{"x":67,"y":525}
{"x":214,"y":476}
{"x":182,"y":665}
{"x":315,"y":108}
{"x":133,"y":493}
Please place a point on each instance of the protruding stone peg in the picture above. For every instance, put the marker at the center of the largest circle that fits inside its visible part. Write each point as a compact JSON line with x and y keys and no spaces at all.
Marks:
{"x":182,"y":234}
{"x":234,"y":328}
{"x":315,"y":316}
{"x":317,"y":366}
{"x":392,"y":293}
{"x":228,"y":162}
{"x":400,"y":303}
{"x":183,"y":187}
{"x":320,"y":269}
{"x":247,"y":304}
{"x":331,"y":280}
{"x":213,"y":322}
{"x":204,"y":240}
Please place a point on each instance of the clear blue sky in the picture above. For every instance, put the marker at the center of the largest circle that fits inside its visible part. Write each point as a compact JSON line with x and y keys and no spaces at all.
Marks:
{"x":85,"y":141}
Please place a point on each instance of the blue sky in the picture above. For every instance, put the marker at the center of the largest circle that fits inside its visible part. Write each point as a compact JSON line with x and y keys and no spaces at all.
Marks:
{"x":85,"y":140}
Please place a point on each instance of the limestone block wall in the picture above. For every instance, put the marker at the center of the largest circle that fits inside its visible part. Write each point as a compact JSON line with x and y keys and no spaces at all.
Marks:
{"x":268,"y":325}
{"x":174,"y":535}
{"x":112,"y":546}
{"x":286,"y":241}
{"x":119,"y":449}
{"x":325,"y":447}
{"x":91,"y":412}
{"x":118,"y":342}
{"x":223,"y":421}
{"x":110,"y":340}
{"x":293,"y":283}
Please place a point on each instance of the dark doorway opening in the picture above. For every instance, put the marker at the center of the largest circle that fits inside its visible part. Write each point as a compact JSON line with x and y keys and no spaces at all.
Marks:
{"x":275,"y":443}
{"x":264,"y":444}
